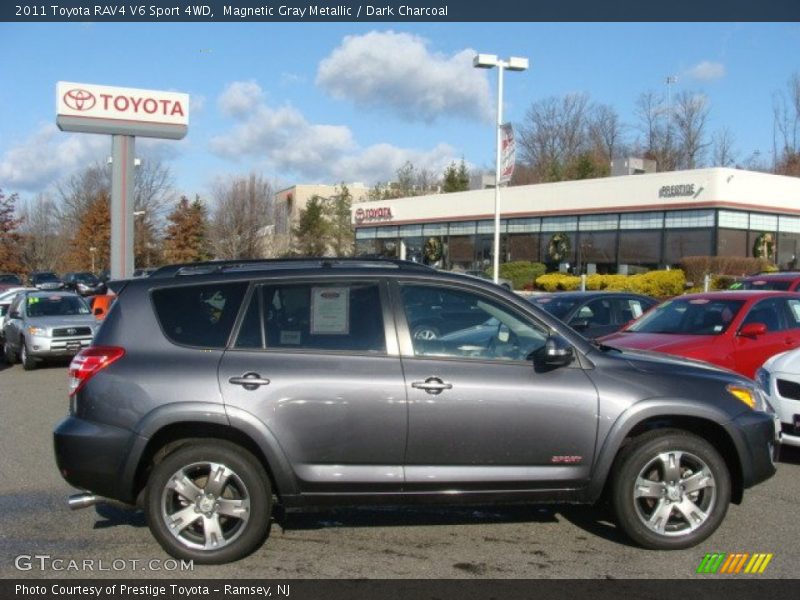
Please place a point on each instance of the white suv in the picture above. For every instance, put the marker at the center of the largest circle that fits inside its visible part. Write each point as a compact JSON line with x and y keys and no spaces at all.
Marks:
{"x":779,"y":377}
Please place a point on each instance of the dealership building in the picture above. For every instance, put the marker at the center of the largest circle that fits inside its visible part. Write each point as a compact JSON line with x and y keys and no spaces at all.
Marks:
{"x":609,"y":225}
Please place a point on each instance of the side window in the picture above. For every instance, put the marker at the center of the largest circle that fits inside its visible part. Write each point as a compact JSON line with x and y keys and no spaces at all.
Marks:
{"x":769,"y":312}
{"x":446,"y":322}
{"x":793,"y":313}
{"x":199,"y":315}
{"x":629,"y":309}
{"x":597,"y":312}
{"x":344,"y":317}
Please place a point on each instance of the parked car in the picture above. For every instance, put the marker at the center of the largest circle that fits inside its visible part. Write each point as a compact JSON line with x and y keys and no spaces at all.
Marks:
{"x":209,"y":390}
{"x":6,"y":298}
{"x":46,"y":280}
{"x":595,"y":314}
{"x":9,"y":280}
{"x":44,"y":325}
{"x":144,"y":272}
{"x":737,"y":330}
{"x":788,"y":281}
{"x":84,"y":283}
{"x":780,"y":380}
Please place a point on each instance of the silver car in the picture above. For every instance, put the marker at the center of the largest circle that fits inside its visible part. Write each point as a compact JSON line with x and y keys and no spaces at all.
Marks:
{"x":41,"y":325}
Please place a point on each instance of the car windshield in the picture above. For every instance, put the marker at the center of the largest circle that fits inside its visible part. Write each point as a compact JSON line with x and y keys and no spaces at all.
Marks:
{"x":558,"y":307}
{"x":56,"y":306}
{"x":693,"y":316}
{"x":9,"y":279}
{"x":42,"y":277}
{"x":778,"y":285}
{"x":86,"y":278}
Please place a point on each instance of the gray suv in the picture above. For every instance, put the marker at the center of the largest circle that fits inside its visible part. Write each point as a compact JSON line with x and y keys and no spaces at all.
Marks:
{"x":214,"y":391}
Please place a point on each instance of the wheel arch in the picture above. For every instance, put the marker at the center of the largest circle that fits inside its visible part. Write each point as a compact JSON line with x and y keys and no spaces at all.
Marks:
{"x":702,"y":422}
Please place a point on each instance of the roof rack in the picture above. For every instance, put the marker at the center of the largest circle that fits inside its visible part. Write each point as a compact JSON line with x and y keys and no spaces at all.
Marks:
{"x":266,"y":264}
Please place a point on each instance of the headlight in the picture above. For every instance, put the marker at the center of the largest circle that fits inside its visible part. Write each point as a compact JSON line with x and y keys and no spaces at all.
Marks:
{"x":748,"y":395}
{"x":37,"y":330}
{"x":764,"y":380}
{"x":82,"y":286}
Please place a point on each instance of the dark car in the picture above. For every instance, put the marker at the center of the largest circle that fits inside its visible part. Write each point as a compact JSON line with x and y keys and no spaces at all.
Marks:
{"x":595,"y":314}
{"x":788,"y":281}
{"x":46,"y":280}
{"x":9,"y":280}
{"x":737,"y":330}
{"x":214,"y":390}
{"x":84,"y":283}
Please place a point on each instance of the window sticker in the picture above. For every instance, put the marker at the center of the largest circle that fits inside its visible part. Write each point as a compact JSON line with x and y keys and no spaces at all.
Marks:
{"x":32,"y":300}
{"x":330,"y":311}
{"x":795,"y":309}
{"x":636,"y":308}
{"x":290,"y":338}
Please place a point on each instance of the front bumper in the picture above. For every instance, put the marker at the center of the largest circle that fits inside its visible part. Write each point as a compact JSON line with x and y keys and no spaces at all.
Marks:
{"x":47,"y":347}
{"x":92,"y":456}
{"x":756,"y":440}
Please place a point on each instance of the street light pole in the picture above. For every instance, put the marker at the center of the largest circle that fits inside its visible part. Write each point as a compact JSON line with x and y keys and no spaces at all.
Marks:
{"x":487,"y":61}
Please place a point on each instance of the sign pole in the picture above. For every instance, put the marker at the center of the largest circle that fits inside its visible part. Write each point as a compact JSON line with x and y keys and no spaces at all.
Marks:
{"x":122,"y":206}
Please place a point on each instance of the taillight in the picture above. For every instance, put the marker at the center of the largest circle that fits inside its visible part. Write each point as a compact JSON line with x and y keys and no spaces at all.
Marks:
{"x":89,"y":362}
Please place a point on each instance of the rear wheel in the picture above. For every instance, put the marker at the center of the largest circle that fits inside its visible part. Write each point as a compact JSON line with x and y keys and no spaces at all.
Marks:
{"x":671,"y":489}
{"x":209,"y":502}
{"x":8,"y":354}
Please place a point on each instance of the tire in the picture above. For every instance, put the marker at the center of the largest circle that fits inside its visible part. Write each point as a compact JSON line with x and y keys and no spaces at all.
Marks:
{"x":662,"y":516}
{"x":246,"y":486}
{"x":28,"y":362}
{"x":8,"y":354}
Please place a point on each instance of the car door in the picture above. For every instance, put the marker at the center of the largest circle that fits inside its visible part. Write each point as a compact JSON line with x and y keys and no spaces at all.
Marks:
{"x":316,"y":364}
{"x":751,"y":352}
{"x":12,"y":328}
{"x":480,"y":416}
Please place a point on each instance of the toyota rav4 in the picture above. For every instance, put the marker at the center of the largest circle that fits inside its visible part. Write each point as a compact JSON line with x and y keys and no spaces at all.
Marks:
{"x":215,"y":391}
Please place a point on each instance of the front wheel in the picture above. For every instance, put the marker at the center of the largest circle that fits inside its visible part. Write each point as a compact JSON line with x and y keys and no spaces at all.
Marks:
{"x":28,"y":362}
{"x":671,"y":489}
{"x":209,"y":502}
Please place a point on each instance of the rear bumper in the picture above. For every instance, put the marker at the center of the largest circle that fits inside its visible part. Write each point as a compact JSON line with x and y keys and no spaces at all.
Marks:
{"x":756,"y":442}
{"x":91,"y":456}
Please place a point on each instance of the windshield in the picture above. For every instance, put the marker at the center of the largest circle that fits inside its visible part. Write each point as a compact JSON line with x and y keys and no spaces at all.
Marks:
{"x":86,"y":278}
{"x":696,"y":316}
{"x":41,"y":277}
{"x":779,"y":285}
{"x":558,"y":307}
{"x":56,"y":306}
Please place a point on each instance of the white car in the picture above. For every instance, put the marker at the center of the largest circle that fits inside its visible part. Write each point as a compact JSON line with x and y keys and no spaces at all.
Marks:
{"x":779,"y":377}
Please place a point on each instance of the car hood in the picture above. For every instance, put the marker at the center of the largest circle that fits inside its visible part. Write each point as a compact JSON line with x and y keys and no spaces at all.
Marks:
{"x":785,"y":362}
{"x":62,"y":321}
{"x":662,"y":342}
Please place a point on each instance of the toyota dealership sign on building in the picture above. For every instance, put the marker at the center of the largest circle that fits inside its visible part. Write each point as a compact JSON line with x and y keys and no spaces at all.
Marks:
{"x":91,"y":108}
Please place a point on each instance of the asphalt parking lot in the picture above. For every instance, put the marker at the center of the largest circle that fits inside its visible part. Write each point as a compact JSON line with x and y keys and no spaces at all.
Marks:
{"x":483,"y":542}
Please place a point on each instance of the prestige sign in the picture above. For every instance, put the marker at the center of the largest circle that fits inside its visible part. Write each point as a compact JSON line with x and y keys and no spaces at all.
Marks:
{"x":676,"y":191}
{"x":91,"y":108}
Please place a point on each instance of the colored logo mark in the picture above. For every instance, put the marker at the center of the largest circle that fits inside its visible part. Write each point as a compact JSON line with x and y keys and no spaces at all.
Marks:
{"x":721,"y":563}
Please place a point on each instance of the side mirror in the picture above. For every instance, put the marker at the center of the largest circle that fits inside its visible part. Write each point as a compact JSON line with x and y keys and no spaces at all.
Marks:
{"x":579,"y":324}
{"x":753,"y":330}
{"x":14,"y":314}
{"x":556,"y":352}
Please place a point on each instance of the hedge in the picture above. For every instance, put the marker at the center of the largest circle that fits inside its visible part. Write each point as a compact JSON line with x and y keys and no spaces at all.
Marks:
{"x":653,"y":283}
{"x":521,"y":273}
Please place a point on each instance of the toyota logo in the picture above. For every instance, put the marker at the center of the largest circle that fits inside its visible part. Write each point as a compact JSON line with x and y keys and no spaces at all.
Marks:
{"x":360,"y":215}
{"x":80,"y":100}
{"x":72,"y":331}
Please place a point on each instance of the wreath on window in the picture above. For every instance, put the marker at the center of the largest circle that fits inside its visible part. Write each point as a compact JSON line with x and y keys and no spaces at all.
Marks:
{"x":764,"y":246}
{"x":559,"y":246}
{"x":433,"y":250}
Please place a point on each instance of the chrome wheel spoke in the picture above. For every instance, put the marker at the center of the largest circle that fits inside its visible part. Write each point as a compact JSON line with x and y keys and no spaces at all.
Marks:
{"x":238,"y":509}
{"x":671,"y":464}
{"x":660,"y":516}
{"x":212,"y":532}
{"x":217,"y":479}
{"x":697,"y":482}
{"x":184,"y":487}
{"x":692,"y":513}
{"x":646,"y":488}
{"x":180,"y":520}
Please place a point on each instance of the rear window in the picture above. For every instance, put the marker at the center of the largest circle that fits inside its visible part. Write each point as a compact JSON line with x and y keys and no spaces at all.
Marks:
{"x":777,"y":285}
{"x":199,"y":315}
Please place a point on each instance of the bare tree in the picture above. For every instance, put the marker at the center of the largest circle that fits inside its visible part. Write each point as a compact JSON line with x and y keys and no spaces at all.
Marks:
{"x":242,"y":217}
{"x":605,"y":131}
{"x":655,"y":122}
{"x":43,"y":243}
{"x":786,"y":111}
{"x":691,"y":118}
{"x":724,"y":154}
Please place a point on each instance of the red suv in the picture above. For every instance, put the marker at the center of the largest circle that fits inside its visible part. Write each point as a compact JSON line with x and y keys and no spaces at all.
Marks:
{"x":738,"y":330}
{"x":781,"y":282}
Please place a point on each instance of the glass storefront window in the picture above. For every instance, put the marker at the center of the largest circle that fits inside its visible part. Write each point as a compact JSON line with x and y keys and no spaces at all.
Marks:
{"x":556,"y":224}
{"x":679,"y":244}
{"x":641,"y":248}
{"x":461,"y":252}
{"x":410,"y":231}
{"x":789,"y":224}
{"x":598,"y":222}
{"x":523,"y":247}
{"x":365,"y":233}
{"x":788,"y":248}
{"x":524,"y":225}
{"x":386,"y":232}
{"x":642,"y":220}
{"x":733,"y":220}
{"x":689,"y":218}
{"x":597,"y":248}
{"x":763,"y":222}
{"x":732,"y":242}
{"x":434,"y":229}
{"x":462,"y":228}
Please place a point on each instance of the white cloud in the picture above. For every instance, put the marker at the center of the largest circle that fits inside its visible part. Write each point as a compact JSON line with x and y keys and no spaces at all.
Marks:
{"x":284,"y":141}
{"x":49,"y":155}
{"x":397,"y":71}
{"x":707,"y":71}
{"x":240,"y":98}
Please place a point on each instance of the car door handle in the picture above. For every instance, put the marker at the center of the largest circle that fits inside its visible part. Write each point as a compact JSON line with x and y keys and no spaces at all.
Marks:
{"x":432,"y":385}
{"x":249,"y":381}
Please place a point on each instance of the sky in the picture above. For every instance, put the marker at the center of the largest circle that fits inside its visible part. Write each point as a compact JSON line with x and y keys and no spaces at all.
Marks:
{"x":351,"y":102}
